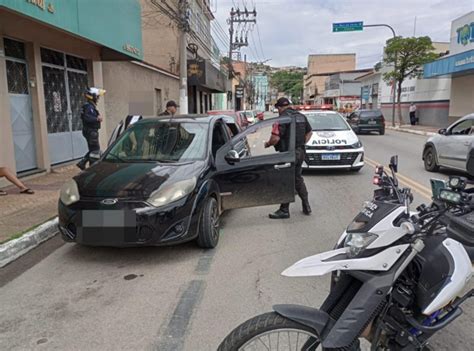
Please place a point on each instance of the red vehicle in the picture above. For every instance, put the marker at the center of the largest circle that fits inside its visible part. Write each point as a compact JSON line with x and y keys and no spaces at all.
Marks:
{"x":239,"y":118}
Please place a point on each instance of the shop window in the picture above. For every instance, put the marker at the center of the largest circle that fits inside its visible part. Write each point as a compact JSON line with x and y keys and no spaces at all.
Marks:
{"x":17,"y":80}
{"x":76,"y":63}
{"x":52,"y":57}
{"x":14,"y":49}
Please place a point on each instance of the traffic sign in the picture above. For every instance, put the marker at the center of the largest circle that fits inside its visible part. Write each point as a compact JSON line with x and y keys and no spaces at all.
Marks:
{"x":347,"y":26}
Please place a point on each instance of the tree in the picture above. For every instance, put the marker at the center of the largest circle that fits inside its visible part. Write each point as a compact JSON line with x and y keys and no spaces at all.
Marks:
{"x":407,"y":56}
{"x":290,"y":83}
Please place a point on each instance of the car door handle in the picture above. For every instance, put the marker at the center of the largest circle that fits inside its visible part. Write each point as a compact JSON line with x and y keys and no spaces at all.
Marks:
{"x":467,"y":143}
{"x":283,"y":165}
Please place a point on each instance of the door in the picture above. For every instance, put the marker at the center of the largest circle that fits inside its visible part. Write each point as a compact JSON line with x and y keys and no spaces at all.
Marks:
{"x":21,"y":112}
{"x":65,"y":81}
{"x":261,"y":176}
{"x":456,"y":144}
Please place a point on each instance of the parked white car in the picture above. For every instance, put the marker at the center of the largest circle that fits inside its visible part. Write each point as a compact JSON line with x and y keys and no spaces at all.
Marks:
{"x":333,"y":143}
{"x":450,"y":147}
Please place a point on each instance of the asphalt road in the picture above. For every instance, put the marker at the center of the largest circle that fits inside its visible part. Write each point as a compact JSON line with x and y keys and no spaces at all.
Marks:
{"x":184,"y":298}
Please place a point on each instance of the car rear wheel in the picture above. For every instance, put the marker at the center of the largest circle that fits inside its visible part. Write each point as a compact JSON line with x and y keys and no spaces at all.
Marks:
{"x":429,"y":158}
{"x":209,"y":226}
{"x":382,"y":131}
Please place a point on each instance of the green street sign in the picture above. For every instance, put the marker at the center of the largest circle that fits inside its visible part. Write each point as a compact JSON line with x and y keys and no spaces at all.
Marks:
{"x":347,"y":26}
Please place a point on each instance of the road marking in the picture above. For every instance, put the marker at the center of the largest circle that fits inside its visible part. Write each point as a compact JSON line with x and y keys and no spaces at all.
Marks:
{"x":414,"y":185}
{"x":173,"y":337}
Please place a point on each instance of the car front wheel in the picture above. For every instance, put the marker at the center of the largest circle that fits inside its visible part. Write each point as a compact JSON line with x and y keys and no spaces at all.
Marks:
{"x":209,"y":228}
{"x":429,"y":158}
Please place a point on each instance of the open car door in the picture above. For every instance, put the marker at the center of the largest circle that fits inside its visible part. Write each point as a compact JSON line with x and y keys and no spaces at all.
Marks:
{"x":251,"y":175}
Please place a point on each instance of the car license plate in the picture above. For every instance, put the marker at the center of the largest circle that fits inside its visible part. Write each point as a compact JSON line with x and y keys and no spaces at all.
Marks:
{"x":330,"y":157}
{"x":108,"y":218}
{"x":372,"y":122}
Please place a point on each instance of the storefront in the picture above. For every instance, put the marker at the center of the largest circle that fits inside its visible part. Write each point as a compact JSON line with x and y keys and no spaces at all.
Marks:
{"x":50,"y":52}
{"x":459,"y":65}
{"x":204,"y":80}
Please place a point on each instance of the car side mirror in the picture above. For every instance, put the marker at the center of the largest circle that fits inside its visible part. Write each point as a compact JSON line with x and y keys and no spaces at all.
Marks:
{"x":443,"y":131}
{"x":232,"y":157}
{"x":394,"y":163}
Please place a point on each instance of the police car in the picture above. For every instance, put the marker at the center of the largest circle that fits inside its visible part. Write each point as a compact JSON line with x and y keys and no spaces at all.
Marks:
{"x":333,"y":143}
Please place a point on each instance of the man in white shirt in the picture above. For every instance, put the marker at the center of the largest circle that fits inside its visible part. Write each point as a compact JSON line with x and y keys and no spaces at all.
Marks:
{"x":412,"y":114}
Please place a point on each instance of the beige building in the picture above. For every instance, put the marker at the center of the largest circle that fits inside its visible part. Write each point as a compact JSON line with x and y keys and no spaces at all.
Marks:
{"x":319,"y":67}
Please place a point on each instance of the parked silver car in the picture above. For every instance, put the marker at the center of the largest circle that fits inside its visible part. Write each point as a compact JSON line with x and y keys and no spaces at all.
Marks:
{"x":450,"y":147}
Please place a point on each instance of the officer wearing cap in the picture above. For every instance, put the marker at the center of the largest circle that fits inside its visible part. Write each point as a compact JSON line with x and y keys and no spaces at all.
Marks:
{"x":280,"y":139}
{"x":171,"y":109}
{"x":91,"y":121}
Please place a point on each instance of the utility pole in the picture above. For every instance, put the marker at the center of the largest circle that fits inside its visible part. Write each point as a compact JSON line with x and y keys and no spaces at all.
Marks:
{"x":239,"y":17}
{"x":183,"y":59}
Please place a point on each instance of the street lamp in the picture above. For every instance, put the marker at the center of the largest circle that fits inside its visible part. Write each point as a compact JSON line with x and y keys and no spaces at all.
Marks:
{"x":394,"y":68}
{"x":359,"y":26}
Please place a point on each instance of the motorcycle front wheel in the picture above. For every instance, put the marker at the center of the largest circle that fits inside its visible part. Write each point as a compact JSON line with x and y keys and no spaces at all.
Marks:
{"x":271,"y":332}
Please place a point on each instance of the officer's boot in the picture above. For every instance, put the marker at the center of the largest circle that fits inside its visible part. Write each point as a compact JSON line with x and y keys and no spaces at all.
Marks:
{"x":82,"y":163}
{"x":282,"y":213}
{"x":306,"y":206}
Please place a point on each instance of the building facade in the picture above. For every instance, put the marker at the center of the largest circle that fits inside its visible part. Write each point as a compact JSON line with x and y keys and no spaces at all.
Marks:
{"x":457,"y":67}
{"x":260,"y":91}
{"x":342,"y":90}
{"x":50,"y":51}
{"x":318,"y":70}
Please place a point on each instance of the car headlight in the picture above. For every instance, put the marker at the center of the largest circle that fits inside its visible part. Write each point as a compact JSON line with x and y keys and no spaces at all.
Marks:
{"x":69,"y":193}
{"x":357,"y":145}
{"x":172,"y":193}
{"x":355,"y":243}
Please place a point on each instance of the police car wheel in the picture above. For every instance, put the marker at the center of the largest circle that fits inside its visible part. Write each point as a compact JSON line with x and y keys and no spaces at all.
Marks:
{"x":209,"y":227}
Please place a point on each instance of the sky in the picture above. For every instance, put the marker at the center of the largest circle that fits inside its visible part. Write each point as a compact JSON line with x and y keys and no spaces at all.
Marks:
{"x":290,"y":30}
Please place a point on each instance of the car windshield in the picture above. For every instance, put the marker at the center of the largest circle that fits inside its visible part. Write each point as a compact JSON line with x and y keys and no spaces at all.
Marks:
{"x":370,"y":114}
{"x":160,"y":142}
{"x":326,"y":121}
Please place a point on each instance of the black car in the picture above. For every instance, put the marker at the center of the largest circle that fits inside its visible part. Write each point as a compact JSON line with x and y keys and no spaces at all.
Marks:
{"x":166,"y":181}
{"x":363,"y":121}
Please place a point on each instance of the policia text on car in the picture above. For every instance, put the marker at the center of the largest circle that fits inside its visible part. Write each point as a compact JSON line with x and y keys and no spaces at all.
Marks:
{"x":280,"y":139}
{"x":91,"y":120}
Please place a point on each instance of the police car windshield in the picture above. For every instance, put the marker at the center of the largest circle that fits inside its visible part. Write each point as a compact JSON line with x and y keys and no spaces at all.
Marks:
{"x":161,"y":142}
{"x":326,"y":121}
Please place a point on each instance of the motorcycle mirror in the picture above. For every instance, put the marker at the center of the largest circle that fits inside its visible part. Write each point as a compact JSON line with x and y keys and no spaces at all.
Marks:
{"x":394,"y":163}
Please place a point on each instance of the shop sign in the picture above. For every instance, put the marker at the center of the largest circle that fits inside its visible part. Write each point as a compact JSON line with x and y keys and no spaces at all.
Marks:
{"x":131,"y":49}
{"x":42,"y":5}
{"x":239,"y":92}
{"x":465,"y":34}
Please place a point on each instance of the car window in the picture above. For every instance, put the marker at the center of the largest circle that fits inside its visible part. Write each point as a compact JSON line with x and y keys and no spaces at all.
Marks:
{"x":462,"y":128}
{"x":233,"y":129}
{"x":370,"y":114}
{"x":160,"y":142}
{"x":326,"y":121}
{"x":219,"y":137}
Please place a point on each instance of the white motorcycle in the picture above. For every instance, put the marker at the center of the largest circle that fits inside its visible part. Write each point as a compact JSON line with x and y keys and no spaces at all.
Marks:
{"x":398,"y":277}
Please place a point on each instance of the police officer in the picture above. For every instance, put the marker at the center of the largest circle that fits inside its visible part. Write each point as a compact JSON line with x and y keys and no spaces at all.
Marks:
{"x":171,"y":109}
{"x":280,"y":139}
{"x":91,"y":120}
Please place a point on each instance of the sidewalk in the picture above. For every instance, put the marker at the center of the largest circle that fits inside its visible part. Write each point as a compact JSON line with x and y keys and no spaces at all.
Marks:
{"x":19,"y":213}
{"x":416,"y":129}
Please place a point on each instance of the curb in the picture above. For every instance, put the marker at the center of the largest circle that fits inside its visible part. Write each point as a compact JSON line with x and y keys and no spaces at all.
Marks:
{"x":410,"y":131}
{"x":15,"y":248}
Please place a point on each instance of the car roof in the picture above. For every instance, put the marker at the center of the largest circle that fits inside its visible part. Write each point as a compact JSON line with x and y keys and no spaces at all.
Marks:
{"x":203,"y":118}
{"x":469,"y":116}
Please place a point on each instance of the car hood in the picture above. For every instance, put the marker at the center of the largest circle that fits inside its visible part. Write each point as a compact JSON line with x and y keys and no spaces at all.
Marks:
{"x":333,"y":138}
{"x":132,"y":180}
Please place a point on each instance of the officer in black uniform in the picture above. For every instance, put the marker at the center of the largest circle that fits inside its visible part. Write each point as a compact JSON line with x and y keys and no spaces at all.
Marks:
{"x":280,"y":139}
{"x":91,"y":120}
{"x":171,"y":109}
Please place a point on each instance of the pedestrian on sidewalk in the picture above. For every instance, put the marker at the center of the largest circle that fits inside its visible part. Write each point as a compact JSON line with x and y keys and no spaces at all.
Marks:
{"x":413,"y":114}
{"x":91,"y":120}
{"x":7,"y":173}
{"x":171,"y":109}
{"x":280,"y":139}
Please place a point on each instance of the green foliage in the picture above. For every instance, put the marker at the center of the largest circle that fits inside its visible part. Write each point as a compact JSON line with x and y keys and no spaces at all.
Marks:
{"x":290,"y":83}
{"x":408,"y":55}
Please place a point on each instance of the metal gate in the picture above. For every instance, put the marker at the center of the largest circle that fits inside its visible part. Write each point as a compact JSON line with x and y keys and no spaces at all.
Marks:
{"x":21,"y":112}
{"x":65,"y":81}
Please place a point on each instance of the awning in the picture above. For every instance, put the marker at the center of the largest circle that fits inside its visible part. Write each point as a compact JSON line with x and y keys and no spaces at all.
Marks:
{"x":462,"y":63}
{"x":115,"y":25}
{"x":202,"y":73}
